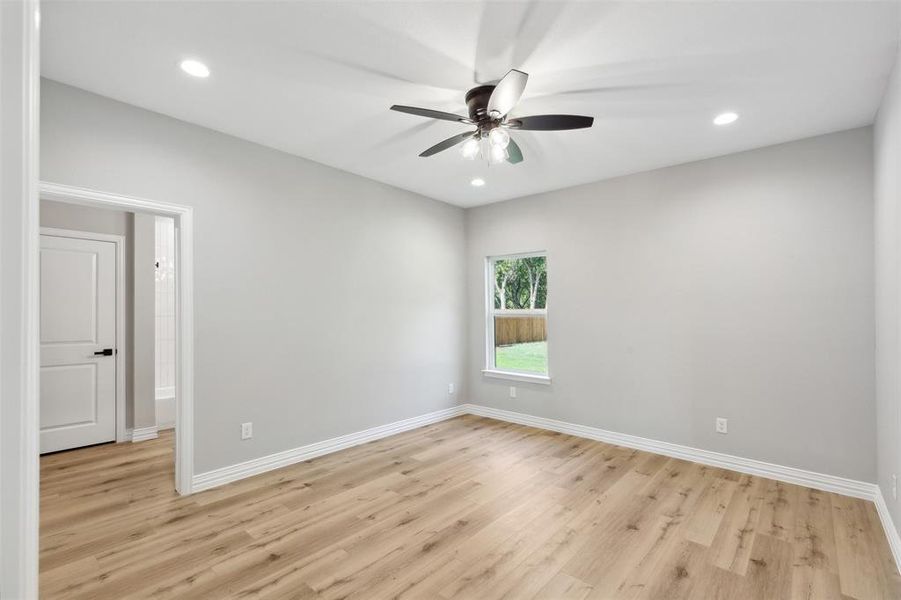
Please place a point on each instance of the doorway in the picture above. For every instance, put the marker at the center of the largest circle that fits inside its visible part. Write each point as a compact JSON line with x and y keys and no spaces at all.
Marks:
{"x":164,"y":322}
{"x":182,"y":222}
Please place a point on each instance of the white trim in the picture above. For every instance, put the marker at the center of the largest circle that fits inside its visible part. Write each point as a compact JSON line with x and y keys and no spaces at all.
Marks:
{"x":121,"y":348}
{"x":517,"y":376}
{"x":516,"y":255}
{"x":217,"y":477}
{"x":520,"y":312}
{"x":490,"y":283}
{"x":811,"y":479}
{"x":141,"y":434}
{"x":891,"y":532}
{"x":88,"y":197}
{"x":184,"y":274}
{"x":820,"y":481}
{"x":184,"y":352}
{"x":20,"y":342}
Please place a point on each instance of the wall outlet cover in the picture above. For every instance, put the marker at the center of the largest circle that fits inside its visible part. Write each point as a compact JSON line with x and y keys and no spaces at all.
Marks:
{"x":450,"y":388}
{"x":246,"y":431}
{"x":722,"y":425}
{"x":512,"y":392}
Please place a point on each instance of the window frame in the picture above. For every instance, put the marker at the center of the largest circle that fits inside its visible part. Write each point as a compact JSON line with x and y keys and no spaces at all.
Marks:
{"x":491,"y":369}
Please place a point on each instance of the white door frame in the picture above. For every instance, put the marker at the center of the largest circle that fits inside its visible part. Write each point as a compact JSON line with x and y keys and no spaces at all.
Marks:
{"x":20,"y":301}
{"x":184,"y":324}
{"x":121,"y":349}
{"x":19,"y":344}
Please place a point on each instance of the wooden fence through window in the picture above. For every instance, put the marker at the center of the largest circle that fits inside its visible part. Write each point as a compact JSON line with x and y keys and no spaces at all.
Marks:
{"x":519,"y":330}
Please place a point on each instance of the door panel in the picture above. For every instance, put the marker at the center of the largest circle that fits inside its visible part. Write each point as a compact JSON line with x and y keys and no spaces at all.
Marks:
{"x":70,"y":393}
{"x":70,"y":275}
{"x":78,"y":318}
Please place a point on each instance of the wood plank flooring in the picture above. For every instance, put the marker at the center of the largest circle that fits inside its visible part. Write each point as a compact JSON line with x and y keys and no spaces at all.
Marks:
{"x":467,"y":508}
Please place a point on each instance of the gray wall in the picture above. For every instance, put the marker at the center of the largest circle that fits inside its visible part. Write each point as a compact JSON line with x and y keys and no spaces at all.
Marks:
{"x":115,"y":222}
{"x":143,"y":354}
{"x":738,"y":287}
{"x":888,"y":259}
{"x":323,"y":303}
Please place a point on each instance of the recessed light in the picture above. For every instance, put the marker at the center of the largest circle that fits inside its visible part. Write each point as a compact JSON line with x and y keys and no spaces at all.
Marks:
{"x":195,"y":68}
{"x":478,"y":182}
{"x":725,"y":118}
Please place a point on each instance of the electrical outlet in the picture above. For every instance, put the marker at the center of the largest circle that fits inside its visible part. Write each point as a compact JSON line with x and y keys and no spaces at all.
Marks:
{"x":722,"y":425}
{"x":450,"y":388}
{"x":246,"y":431}
{"x":894,"y":487}
{"x":512,"y":392}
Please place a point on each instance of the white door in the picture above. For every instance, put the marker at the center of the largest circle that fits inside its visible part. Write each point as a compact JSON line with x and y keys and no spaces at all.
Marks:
{"x":78,"y":342}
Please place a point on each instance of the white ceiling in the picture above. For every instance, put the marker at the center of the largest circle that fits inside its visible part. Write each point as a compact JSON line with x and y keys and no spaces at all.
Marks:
{"x":316,"y":78}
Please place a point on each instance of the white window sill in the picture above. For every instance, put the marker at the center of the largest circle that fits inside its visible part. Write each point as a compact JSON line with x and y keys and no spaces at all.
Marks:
{"x":542,"y":379}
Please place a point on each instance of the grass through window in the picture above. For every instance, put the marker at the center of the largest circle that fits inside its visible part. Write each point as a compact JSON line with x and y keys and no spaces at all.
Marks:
{"x":530,"y":356}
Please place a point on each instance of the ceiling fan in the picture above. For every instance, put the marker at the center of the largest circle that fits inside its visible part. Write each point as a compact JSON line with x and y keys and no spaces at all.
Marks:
{"x":489,"y":106}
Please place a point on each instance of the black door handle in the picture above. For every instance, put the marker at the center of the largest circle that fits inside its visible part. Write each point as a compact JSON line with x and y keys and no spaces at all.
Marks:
{"x":104,"y":352}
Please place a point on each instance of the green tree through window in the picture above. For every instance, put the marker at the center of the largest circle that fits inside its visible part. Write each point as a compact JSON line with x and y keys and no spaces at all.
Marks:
{"x":520,"y":283}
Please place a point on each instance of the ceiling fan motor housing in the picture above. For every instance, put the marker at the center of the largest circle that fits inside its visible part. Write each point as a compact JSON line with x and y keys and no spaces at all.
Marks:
{"x":477,"y":102}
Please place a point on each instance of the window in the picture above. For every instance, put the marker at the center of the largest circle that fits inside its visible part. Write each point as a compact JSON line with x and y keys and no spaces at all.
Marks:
{"x":516,"y":323}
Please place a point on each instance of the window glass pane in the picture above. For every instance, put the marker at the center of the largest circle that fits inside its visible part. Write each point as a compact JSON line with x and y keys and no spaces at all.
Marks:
{"x":520,"y":283}
{"x":520,"y":343}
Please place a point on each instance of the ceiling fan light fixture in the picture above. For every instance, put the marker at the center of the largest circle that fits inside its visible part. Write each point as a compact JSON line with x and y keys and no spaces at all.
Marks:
{"x":499,"y":137}
{"x":488,"y":106}
{"x":470,"y":149}
{"x":497,"y":154}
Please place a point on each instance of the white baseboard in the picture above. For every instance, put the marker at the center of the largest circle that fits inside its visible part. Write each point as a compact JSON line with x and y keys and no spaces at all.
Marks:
{"x":891,"y":533}
{"x":217,"y":477}
{"x":165,"y":411}
{"x":820,"y":481}
{"x":141,"y":434}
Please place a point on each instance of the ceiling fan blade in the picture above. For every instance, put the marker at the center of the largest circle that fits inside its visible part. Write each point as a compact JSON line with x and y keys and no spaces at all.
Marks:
{"x":514,"y":153}
{"x":431,"y":114}
{"x":448,"y":143}
{"x":551,"y":122}
{"x":507,"y":93}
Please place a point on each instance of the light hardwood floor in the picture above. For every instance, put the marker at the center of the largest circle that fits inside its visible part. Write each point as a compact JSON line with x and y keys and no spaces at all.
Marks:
{"x":467,"y":508}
